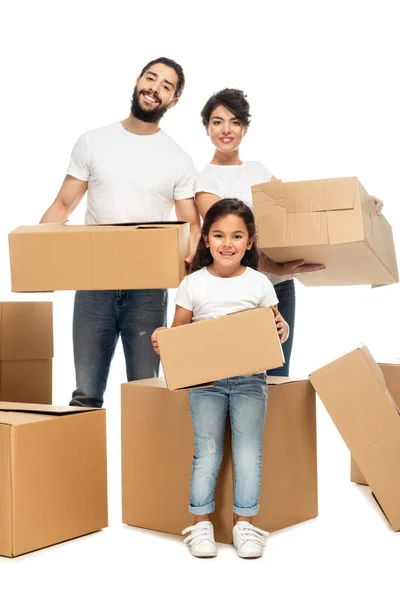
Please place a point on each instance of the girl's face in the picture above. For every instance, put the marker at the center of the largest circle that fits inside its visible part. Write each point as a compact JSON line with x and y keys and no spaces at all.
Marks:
{"x":228,"y":240}
{"x":225,"y":130}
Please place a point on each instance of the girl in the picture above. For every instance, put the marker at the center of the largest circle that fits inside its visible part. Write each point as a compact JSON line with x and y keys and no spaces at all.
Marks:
{"x":226,"y":118}
{"x":224,"y":279}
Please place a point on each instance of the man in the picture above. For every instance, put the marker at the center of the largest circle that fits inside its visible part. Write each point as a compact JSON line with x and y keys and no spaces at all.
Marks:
{"x":133,"y":172}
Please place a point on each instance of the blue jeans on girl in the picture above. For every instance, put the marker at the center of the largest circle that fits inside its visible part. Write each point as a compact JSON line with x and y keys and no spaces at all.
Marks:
{"x":246,"y":400}
{"x":287,"y":305}
{"x":100,"y":319}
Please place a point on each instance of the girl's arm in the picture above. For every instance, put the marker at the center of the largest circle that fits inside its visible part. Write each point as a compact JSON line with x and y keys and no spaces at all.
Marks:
{"x":182,"y":317}
{"x":204,"y":201}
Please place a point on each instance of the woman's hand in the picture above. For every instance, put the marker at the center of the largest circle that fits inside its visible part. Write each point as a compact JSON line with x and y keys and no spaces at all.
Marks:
{"x":281,"y":326}
{"x":154,"y":340}
{"x":378,"y":205}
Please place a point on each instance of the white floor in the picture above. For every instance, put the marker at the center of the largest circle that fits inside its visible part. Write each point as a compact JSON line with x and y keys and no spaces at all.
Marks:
{"x":348,"y":551}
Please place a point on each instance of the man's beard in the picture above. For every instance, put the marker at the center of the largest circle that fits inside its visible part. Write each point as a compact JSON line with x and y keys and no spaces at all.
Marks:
{"x":148,"y":116}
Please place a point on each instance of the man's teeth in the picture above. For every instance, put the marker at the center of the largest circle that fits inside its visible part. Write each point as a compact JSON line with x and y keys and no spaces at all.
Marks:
{"x":150,"y":98}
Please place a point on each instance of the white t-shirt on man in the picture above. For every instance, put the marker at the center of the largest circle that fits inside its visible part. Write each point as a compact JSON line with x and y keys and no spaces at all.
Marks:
{"x":131,"y":178}
{"x":235,"y":181}
{"x":208,"y":296}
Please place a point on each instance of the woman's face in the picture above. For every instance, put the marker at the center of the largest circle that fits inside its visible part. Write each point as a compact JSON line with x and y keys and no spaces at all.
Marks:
{"x":225,"y":130}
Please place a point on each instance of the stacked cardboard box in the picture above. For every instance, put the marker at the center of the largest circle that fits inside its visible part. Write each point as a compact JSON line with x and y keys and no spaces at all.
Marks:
{"x":26,"y":351}
{"x":391,"y":373}
{"x":354,"y":392}
{"x":327,"y":221}
{"x":156,"y":468}
{"x":53,"y":475}
{"x":50,"y":257}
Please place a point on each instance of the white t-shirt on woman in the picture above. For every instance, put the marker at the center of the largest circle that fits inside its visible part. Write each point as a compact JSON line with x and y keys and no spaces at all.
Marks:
{"x":208,"y":296}
{"x":235,"y":181}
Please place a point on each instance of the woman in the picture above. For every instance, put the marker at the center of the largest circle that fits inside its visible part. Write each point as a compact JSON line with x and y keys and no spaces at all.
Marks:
{"x":226,"y":117}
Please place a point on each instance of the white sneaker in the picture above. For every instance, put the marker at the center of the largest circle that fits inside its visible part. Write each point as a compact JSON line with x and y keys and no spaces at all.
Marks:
{"x":249,"y":540}
{"x":201,"y":539}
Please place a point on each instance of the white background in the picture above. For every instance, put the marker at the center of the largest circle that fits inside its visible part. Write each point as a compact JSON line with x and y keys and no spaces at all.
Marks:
{"x":322,"y":82}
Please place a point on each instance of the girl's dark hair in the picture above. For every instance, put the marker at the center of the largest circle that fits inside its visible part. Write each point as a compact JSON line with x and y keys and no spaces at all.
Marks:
{"x":222,"y":208}
{"x":168,"y":62}
{"x":233,"y":100}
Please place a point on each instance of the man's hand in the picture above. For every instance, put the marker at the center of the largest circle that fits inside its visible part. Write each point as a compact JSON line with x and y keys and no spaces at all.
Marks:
{"x":154,"y":340}
{"x":294,"y":267}
{"x":378,"y":205}
{"x":281,"y":326}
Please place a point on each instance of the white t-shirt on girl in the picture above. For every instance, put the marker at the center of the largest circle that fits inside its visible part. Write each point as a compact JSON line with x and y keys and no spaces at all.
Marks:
{"x":208,"y":296}
{"x":235,"y":181}
{"x":131,"y":178}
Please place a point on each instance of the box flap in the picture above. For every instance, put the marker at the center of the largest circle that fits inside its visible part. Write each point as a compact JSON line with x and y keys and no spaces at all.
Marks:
{"x":309,"y":196}
{"x":67,"y":228}
{"x":44,"y":409}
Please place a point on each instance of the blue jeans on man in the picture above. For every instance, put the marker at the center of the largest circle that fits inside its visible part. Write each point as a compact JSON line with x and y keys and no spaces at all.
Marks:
{"x":100,"y":319}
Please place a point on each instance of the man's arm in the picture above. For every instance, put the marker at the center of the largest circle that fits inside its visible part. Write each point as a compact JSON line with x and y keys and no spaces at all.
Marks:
{"x":68,"y":198}
{"x":186,"y":210}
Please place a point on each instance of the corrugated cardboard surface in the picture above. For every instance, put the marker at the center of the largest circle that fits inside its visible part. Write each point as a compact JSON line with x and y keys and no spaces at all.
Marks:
{"x":157,"y":450}
{"x":53,"y":474}
{"x":327,"y":221}
{"x":5,"y":492}
{"x":26,"y":381}
{"x":289,"y":483}
{"x":353,"y":391}
{"x":391,"y":373}
{"x":52,"y":257}
{"x":26,"y":330}
{"x":26,"y":350}
{"x":188,"y":358}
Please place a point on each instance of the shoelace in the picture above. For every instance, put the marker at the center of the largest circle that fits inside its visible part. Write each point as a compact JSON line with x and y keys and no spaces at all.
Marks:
{"x":249,"y":533}
{"x":197,"y":534}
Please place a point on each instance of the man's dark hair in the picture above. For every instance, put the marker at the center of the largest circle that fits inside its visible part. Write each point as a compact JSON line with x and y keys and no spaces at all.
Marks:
{"x":172,"y":65}
{"x":233,"y":100}
{"x":222,"y":208}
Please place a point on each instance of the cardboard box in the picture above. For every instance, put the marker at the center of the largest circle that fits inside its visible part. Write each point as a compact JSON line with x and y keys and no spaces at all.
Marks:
{"x":354,"y":392}
{"x":50,"y":256}
{"x":189,"y":359}
{"x":26,"y":351}
{"x":391,"y":373}
{"x":327,"y":221}
{"x":157,"y":451}
{"x":53,"y":475}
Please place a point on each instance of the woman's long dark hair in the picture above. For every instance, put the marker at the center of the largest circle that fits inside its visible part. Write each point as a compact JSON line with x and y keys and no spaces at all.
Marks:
{"x":222,"y":208}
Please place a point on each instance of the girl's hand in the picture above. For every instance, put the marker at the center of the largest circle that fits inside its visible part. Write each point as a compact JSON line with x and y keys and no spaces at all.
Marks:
{"x":281,"y":326}
{"x":154,"y":340}
{"x":378,"y":205}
